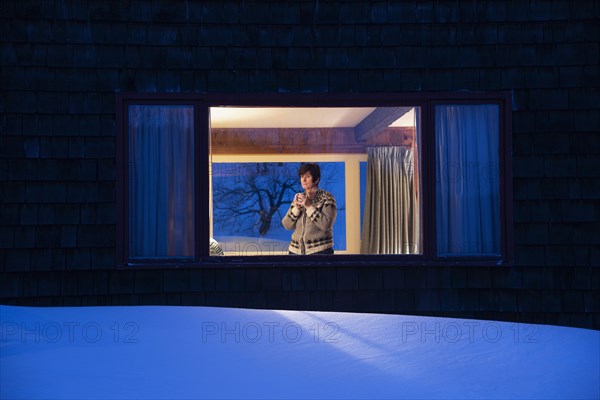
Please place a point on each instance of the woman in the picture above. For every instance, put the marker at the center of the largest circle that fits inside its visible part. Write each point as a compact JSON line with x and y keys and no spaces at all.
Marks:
{"x":311,"y":215}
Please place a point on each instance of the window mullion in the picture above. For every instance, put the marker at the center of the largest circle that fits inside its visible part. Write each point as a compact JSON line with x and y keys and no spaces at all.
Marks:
{"x":202,"y":159}
{"x":428,"y":180}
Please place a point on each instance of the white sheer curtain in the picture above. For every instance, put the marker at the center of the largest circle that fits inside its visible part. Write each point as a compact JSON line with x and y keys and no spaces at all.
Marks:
{"x":391,"y":216}
{"x":161,"y":181}
{"x":468,"y":189}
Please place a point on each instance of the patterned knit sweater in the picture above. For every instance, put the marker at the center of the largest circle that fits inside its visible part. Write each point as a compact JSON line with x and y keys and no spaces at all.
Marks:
{"x":313,"y":225}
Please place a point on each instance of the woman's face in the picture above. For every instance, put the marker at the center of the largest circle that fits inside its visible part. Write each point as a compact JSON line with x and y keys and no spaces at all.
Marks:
{"x":307,"y":181}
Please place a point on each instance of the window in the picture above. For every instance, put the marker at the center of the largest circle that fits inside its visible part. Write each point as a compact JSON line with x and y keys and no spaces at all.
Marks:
{"x":250,"y":198}
{"x":257,"y":151}
{"x":413,"y":177}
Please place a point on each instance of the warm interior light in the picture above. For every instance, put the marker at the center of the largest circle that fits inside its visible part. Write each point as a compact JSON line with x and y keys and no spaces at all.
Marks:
{"x":287,"y":117}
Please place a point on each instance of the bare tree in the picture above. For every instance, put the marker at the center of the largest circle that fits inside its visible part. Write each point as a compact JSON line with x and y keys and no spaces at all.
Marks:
{"x":258,"y":191}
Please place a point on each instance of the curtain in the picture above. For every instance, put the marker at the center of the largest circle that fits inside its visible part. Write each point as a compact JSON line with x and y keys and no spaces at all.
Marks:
{"x":161,"y":181}
{"x":467,"y":189}
{"x":391,"y":216}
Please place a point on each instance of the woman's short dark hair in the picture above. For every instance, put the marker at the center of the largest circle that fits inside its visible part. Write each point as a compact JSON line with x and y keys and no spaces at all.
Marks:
{"x":314,"y":169}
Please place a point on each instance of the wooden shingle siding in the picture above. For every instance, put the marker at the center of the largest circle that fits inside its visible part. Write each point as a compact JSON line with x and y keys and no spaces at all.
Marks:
{"x":62,"y":63}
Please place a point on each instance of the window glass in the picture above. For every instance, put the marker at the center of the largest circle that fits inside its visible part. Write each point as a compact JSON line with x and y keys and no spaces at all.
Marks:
{"x":161,"y":181}
{"x":468,"y":181}
{"x":251,"y":198}
{"x":368,"y":159}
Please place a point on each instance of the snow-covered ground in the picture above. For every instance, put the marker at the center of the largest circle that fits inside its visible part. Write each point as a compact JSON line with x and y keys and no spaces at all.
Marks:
{"x":203,"y":352}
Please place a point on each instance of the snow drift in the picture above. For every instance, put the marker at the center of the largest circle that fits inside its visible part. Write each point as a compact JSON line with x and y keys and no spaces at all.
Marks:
{"x":203,"y":352}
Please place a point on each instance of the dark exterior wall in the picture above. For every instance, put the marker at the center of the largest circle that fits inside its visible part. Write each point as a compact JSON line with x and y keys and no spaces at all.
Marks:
{"x":62,"y":62}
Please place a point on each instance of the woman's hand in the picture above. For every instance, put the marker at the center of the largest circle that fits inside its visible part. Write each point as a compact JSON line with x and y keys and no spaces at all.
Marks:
{"x":299,"y":200}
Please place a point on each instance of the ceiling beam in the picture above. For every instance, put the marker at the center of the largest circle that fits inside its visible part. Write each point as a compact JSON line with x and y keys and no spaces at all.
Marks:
{"x":377,"y":121}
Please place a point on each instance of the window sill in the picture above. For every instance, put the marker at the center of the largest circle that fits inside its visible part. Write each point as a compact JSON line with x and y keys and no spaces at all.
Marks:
{"x":338,"y":261}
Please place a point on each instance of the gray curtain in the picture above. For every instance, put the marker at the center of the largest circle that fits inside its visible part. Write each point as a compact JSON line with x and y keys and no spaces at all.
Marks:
{"x":391,"y":217}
